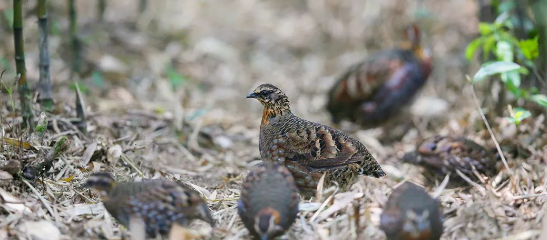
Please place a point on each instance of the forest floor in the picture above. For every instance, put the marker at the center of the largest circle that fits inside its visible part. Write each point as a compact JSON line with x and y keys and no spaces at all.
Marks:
{"x":165,"y":97}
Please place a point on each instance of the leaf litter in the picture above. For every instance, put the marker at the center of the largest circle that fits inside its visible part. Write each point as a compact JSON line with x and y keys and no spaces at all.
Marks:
{"x":170,"y":104}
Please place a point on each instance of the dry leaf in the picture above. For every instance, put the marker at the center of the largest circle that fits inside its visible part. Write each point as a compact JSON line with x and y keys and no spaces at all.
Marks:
{"x":11,"y":203}
{"x":40,"y":230}
{"x":86,"y":157}
{"x":17,"y":143}
{"x":344,"y":201}
{"x":114,"y":153}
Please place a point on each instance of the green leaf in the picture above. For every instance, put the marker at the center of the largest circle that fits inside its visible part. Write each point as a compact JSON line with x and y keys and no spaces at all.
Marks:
{"x":520,"y":114}
{"x":472,"y":48}
{"x":494,"y":68}
{"x":512,"y":76}
{"x":530,"y":48}
{"x":83,"y":88}
{"x":486,"y":28}
{"x":488,"y":46}
{"x":540,"y":99}
{"x":174,"y":77}
{"x":504,"y":51}
{"x":506,"y":6}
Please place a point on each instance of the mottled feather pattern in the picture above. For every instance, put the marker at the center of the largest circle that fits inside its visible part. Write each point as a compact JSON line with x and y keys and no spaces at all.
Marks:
{"x":442,"y":155}
{"x":309,"y":148}
{"x":269,"y":186}
{"x":411,"y":214}
{"x":160,"y":203}
{"x":377,"y":89}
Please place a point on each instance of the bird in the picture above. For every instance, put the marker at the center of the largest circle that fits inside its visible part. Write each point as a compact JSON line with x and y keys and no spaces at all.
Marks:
{"x":442,"y":155}
{"x":309,"y":149}
{"x":268,"y":205}
{"x":377,"y":89}
{"x":161,"y":204}
{"x":410,"y":213}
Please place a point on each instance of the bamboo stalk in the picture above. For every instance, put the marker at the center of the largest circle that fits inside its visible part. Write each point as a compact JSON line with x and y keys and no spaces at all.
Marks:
{"x":76,"y":44}
{"x":44,"y":87}
{"x":539,"y":8}
{"x":22,"y":84}
{"x":102,"y":7}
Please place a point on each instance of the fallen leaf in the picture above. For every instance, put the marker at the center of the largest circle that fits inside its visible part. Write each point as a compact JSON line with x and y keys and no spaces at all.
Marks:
{"x":11,"y":203}
{"x":68,"y":179}
{"x":342,"y":202}
{"x":42,"y":230}
{"x":17,"y":143}
{"x":86,"y":157}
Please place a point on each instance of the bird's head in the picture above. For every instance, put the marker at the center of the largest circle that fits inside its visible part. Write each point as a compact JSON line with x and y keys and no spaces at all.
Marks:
{"x":417,"y":224}
{"x":411,"y":36}
{"x":270,"y":96}
{"x":267,"y":224}
{"x":100,"y":181}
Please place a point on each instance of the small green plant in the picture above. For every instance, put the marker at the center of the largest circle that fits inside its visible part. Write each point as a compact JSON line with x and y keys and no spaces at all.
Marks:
{"x":175,"y":78}
{"x":9,"y":89}
{"x":512,"y":58}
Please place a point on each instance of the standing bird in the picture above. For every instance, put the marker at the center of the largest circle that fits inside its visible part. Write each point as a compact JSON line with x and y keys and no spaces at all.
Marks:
{"x":309,"y":149}
{"x":411,"y":214}
{"x":269,"y":201}
{"x":374,"y":91}
{"x":441,"y":155}
{"x":160,"y":204}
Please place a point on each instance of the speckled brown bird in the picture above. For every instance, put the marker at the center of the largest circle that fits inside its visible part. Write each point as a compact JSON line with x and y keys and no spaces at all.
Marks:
{"x":411,"y":214}
{"x":269,"y":201}
{"x":160,"y":203}
{"x":374,"y":91}
{"x":441,"y":155}
{"x":308,"y":149}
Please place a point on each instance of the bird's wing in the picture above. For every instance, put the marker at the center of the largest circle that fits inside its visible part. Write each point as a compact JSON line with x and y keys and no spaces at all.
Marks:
{"x":318,"y":146}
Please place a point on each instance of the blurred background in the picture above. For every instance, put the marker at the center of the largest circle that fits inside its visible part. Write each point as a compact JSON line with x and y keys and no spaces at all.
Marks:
{"x":167,"y":79}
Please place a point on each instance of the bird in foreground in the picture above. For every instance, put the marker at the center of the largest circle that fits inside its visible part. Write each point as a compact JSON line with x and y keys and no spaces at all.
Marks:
{"x":309,"y":149}
{"x":442,"y":155}
{"x":378,"y":89}
{"x":269,"y":201}
{"x":411,"y":214}
{"x":159,"y":204}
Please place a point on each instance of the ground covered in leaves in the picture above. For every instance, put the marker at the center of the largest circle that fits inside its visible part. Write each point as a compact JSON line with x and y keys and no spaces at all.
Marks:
{"x":165,"y":97}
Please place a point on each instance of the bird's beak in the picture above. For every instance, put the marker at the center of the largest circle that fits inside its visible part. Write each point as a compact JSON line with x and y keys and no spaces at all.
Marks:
{"x":252,"y":95}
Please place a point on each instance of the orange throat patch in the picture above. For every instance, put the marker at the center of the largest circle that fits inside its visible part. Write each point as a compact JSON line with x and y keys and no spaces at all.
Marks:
{"x":268,"y":114}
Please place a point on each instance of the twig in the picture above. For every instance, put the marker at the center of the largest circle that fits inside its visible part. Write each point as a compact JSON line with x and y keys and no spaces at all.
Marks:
{"x":132,"y":164}
{"x":441,"y":187}
{"x":490,"y":131}
{"x":316,"y":214}
{"x":474,"y":184}
{"x":44,"y":201}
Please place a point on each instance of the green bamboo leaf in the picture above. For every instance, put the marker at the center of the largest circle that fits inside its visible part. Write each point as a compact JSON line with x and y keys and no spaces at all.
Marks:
{"x":504,"y":51}
{"x":520,"y":114}
{"x":488,"y":46}
{"x":472,"y":48}
{"x":530,"y":48}
{"x":540,"y":99}
{"x":486,"y":28}
{"x":494,"y":68}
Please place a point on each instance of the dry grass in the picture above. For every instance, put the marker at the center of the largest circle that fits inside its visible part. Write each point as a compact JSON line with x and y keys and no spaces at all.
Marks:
{"x":205,"y":132}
